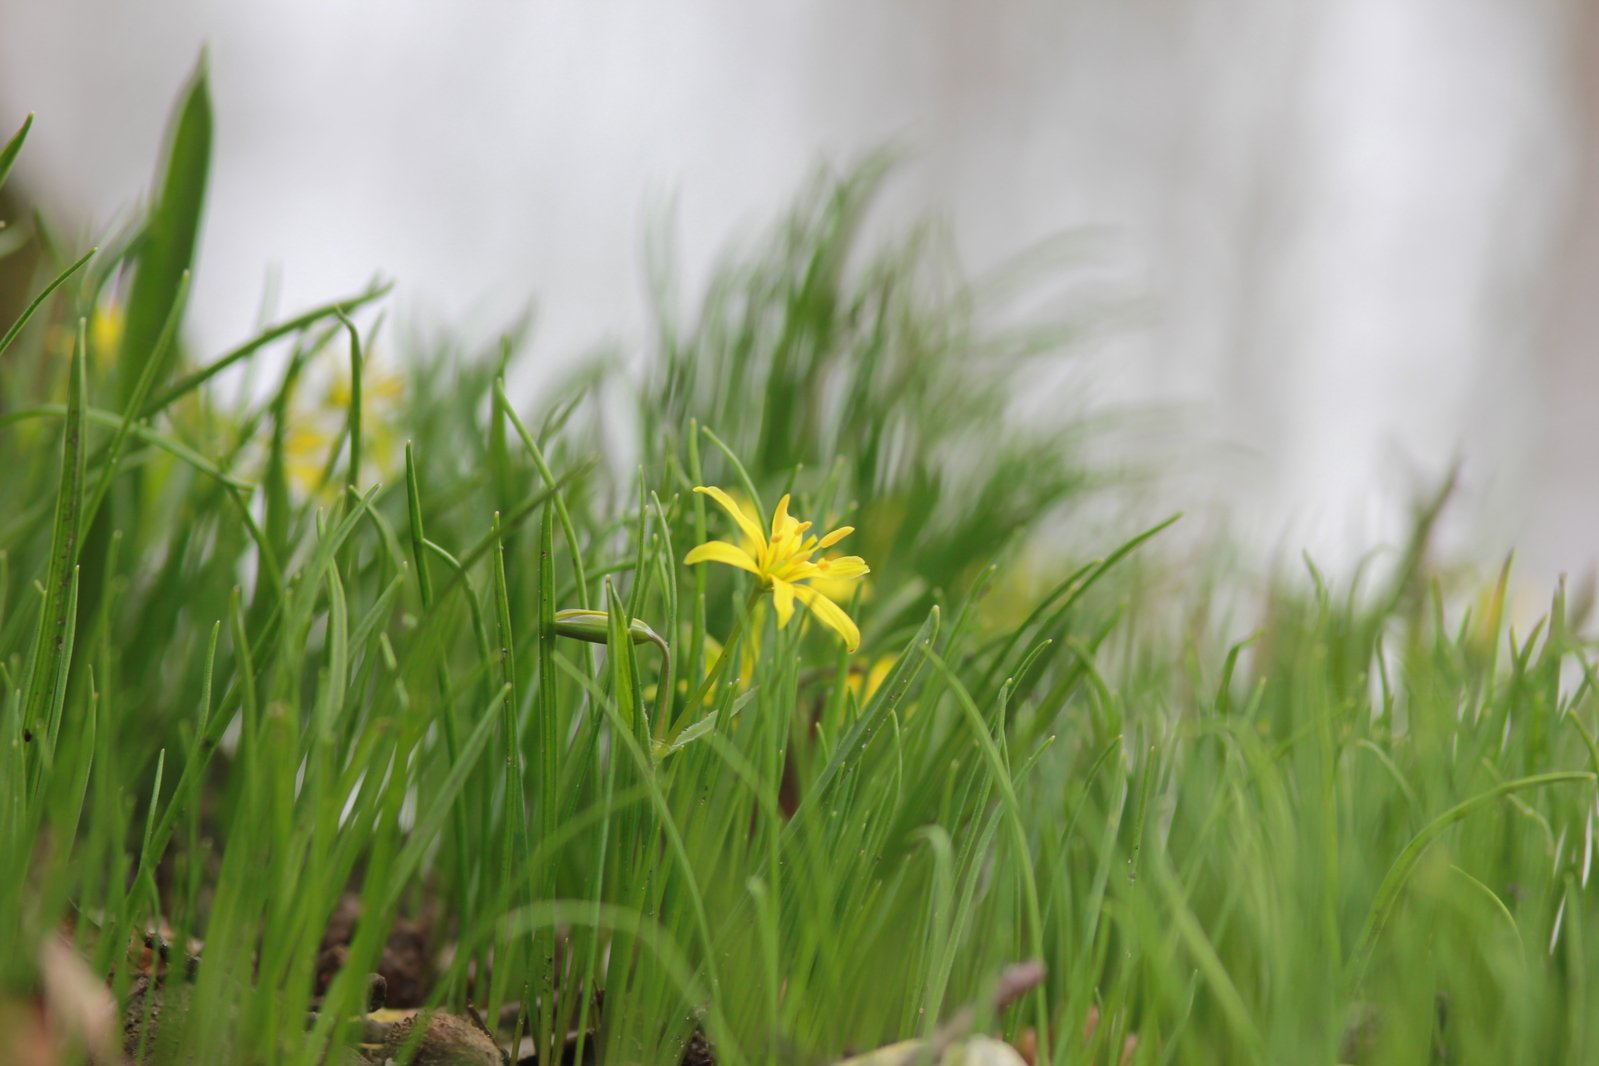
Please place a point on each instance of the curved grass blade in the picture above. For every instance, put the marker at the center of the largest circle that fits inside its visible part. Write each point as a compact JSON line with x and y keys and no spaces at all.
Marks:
{"x":38,"y":301}
{"x":1011,"y":805}
{"x":99,"y":417}
{"x":193,"y":380}
{"x":8,"y":154}
{"x":640,"y":757}
{"x":1393,"y":882}
{"x":744,"y":479}
{"x":642,"y":929}
{"x":1073,"y":589}
{"x":421,"y":839}
{"x":537,"y":455}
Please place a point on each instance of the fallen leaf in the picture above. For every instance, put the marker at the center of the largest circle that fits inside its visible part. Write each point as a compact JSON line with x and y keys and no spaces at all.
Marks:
{"x":972,"y":1051}
{"x":78,"y":1008}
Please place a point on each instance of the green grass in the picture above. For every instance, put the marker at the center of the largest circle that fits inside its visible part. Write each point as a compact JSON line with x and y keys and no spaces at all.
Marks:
{"x":237,"y":680}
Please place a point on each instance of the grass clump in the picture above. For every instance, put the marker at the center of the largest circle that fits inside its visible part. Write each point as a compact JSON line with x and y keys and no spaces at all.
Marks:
{"x":253,"y":660}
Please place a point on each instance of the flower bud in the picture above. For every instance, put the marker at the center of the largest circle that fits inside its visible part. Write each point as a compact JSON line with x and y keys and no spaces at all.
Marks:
{"x":595,"y":627}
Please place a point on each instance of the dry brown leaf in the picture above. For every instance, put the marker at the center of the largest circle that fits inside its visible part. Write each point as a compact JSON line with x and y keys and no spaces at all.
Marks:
{"x":972,"y":1051}
{"x":78,"y":1007}
{"x":25,"y":1035}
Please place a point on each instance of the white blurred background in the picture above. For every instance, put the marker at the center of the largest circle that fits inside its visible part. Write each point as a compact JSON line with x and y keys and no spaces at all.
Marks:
{"x":1363,"y":236}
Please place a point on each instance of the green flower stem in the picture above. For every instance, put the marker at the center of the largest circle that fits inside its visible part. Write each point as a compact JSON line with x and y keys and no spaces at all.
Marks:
{"x":663,"y":688}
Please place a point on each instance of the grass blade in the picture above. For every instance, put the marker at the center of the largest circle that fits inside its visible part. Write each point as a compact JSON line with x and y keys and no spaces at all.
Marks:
{"x":1393,"y":882}
{"x":13,"y":148}
{"x":50,"y":657}
{"x":38,"y":301}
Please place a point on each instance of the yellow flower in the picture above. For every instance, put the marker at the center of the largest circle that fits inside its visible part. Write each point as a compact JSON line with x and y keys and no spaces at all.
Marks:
{"x":305,"y":456}
{"x":864,"y":683}
{"x":106,"y":326}
{"x":841,"y":588}
{"x":835,"y":588}
{"x":783,"y":560}
{"x":317,"y":426}
{"x":384,"y":389}
{"x":105,"y":330}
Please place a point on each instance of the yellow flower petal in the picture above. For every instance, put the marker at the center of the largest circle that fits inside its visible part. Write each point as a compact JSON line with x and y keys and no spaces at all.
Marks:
{"x":105,"y":330}
{"x":834,"y":537}
{"x":390,"y":387}
{"x":787,"y":535}
{"x":783,"y":600}
{"x":841,"y":589}
{"x":797,"y":570}
{"x":864,"y":683}
{"x":751,"y":528}
{"x":877,"y":675}
{"x":844,"y":566}
{"x":720,"y":551}
{"x":830,"y":614}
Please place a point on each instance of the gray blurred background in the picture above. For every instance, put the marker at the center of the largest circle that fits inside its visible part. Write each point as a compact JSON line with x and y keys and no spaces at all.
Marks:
{"x":1362,"y":237}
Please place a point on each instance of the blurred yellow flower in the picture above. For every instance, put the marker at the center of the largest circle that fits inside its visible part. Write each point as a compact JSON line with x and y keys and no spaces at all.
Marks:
{"x":864,"y":683}
{"x":106,"y":325}
{"x":783,"y":562}
{"x":317,"y":427}
{"x":376,"y":388}
{"x":305,"y":456}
